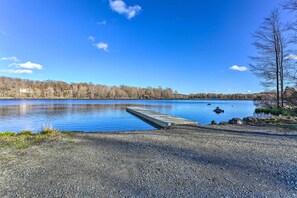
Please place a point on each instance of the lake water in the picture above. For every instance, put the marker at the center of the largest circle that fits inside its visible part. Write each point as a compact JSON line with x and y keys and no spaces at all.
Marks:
{"x":109,"y":115}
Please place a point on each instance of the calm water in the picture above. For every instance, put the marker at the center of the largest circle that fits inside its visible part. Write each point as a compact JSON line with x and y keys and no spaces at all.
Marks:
{"x":109,"y":115}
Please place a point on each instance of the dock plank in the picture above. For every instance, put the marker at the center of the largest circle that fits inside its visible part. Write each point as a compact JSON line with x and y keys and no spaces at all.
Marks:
{"x":158,"y":119}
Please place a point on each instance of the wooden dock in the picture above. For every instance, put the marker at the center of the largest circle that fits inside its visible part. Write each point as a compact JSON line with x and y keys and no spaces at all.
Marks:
{"x":158,"y":119}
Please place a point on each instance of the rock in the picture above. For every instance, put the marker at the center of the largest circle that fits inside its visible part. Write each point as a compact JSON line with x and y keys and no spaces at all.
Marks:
{"x":250,"y":120}
{"x":218,"y":110}
{"x":236,"y":121}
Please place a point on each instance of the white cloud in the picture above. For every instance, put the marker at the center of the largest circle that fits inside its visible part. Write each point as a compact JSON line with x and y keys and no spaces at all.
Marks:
{"x":21,"y":71}
{"x":18,"y":71}
{"x":120,"y":7}
{"x":91,"y":38}
{"x":102,"y":22}
{"x":14,"y":59}
{"x":30,"y":65}
{"x":239,"y":68}
{"x":102,"y":46}
{"x":291,"y":57}
{"x":19,"y":68}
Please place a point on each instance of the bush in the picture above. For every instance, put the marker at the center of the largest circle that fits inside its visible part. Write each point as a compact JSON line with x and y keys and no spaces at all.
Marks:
{"x":213,"y":122}
{"x":277,"y":111}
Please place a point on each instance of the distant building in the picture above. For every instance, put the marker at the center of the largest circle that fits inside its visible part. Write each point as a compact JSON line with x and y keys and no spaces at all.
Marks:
{"x":26,"y":91}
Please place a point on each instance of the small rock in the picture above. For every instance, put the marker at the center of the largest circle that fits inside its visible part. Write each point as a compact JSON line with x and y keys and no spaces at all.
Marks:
{"x":250,"y":120}
{"x":218,"y":110}
{"x":236,"y":121}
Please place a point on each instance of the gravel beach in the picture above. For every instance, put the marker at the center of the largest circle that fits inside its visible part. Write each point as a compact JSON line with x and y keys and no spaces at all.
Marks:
{"x":184,"y":161}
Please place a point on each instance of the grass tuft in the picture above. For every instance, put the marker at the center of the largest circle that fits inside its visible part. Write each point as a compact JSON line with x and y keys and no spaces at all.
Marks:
{"x":25,"y":139}
{"x":2,"y":134}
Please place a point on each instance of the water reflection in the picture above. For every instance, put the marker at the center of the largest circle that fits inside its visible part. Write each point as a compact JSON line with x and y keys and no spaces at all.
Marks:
{"x":109,"y":115}
{"x":72,"y":117}
{"x":65,"y":109}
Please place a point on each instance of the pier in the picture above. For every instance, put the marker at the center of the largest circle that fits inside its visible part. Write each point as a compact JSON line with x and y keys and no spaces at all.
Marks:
{"x":158,"y":119}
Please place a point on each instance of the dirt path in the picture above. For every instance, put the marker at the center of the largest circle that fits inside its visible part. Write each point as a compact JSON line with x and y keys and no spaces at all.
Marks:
{"x":198,"y":161}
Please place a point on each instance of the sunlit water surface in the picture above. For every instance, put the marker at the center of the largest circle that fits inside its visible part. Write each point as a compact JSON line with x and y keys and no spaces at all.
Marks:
{"x":110,"y":115}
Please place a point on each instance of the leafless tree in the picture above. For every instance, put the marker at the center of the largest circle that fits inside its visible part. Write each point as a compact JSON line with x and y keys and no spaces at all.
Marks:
{"x":291,"y":6}
{"x":270,"y":62}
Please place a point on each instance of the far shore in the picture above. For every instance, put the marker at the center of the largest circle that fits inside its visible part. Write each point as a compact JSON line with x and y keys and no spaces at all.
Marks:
{"x":7,"y":98}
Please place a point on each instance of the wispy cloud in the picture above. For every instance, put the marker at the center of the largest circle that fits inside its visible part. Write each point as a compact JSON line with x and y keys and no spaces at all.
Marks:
{"x":291,"y":57}
{"x":102,"y":46}
{"x":19,"y":68}
{"x":239,"y":68}
{"x":91,"y":38}
{"x":30,"y":65}
{"x":22,"y":71}
{"x":17,"y":71}
{"x":3,"y":33}
{"x":13,"y":58}
{"x":104,"y":22}
{"x":120,"y":7}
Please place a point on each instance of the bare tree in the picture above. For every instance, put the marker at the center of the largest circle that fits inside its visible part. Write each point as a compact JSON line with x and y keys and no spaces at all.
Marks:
{"x":271,"y":60}
{"x":291,"y":6}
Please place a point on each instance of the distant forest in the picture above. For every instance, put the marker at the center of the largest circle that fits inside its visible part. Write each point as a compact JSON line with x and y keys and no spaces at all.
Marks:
{"x":16,"y":88}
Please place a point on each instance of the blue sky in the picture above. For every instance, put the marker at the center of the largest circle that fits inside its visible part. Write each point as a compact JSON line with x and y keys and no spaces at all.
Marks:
{"x":187,"y":45}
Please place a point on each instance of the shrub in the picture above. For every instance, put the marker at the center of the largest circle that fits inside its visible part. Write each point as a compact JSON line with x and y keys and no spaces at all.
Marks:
{"x":213,"y":122}
{"x":277,"y":111}
{"x":25,"y":133}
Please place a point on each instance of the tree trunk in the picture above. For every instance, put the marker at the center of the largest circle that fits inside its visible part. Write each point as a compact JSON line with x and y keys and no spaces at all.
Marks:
{"x":276,"y":48}
{"x":277,"y":87}
{"x":282,"y":86}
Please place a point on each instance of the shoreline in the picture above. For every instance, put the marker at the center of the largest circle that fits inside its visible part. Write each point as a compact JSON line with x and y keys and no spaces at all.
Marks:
{"x":124,"y":99}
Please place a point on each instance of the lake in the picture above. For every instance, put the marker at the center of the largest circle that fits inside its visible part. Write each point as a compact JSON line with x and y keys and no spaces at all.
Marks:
{"x":110,"y":115}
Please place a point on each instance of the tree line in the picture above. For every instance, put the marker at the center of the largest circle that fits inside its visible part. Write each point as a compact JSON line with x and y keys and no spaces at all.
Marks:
{"x":238,"y":96}
{"x":22,"y":88}
{"x":275,"y":61}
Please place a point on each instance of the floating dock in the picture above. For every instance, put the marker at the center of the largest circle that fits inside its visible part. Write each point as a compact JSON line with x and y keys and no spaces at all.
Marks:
{"x":158,"y":119}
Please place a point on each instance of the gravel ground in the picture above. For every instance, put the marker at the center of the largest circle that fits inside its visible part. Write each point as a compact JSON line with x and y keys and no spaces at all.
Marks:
{"x":188,"y":161}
